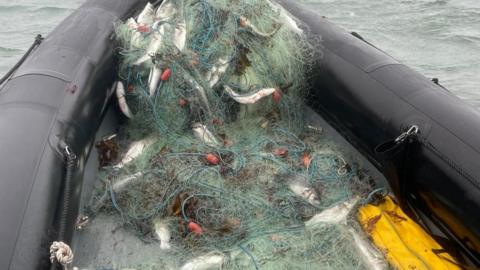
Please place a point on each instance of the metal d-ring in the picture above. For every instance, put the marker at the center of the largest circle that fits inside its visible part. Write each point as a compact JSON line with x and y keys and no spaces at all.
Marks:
{"x":412,"y":131}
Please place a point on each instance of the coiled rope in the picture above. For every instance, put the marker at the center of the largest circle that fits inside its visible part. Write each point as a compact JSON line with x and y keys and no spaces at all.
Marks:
{"x":61,"y":253}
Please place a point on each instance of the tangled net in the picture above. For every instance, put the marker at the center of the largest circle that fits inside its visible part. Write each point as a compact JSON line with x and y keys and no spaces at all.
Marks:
{"x":220,"y":165}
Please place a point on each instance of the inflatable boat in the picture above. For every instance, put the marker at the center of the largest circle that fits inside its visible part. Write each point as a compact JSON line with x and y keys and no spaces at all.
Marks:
{"x":422,"y":138}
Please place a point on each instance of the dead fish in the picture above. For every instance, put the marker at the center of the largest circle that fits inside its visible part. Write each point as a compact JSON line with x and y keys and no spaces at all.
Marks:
{"x":245,"y":23}
{"x":154,"y":79}
{"x":317,"y":129}
{"x":116,"y":186}
{"x":249,"y":98}
{"x":180,"y":35}
{"x":163,"y":232}
{"x":136,"y":36}
{"x":215,"y":73}
{"x":165,"y":11}
{"x":122,"y":183}
{"x":122,"y":102}
{"x":212,"y":261}
{"x":336,"y":214}
{"x":286,"y":18}
{"x":146,"y":16}
{"x":131,"y":24}
{"x":136,"y":149}
{"x":370,"y":255}
{"x":164,"y":14}
{"x":201,"y":92}
{"x":153,"y":47}
{"x":202,"y":133}
{"x":299,"y":185}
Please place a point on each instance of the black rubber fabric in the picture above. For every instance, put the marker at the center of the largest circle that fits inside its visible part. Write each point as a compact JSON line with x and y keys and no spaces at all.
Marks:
{"x":55,"y":97}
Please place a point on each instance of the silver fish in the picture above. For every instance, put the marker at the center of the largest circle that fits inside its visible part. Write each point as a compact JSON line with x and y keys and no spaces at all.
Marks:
{"x":117,"y":186}
{"x":154,"y":79}
{"x":136,"y":149}
{"x":244,"y":22}
{"x":122,"y":102}
{"x":147,"y":15}
{"x":215,"y":73}
{"x":370,"y":255}
{"x":249,"y":98}
{"x":131,"y":24}
{"x":201,"y":91}
{"x":155,"y":44}
{"x":165,"y":11}
{"x":205,"y":262}
{"x":286,"y":18}
{"x":122,"y":183}
{"x":202,"y":133}
{"x":162,"y":231}
{"x":318,"y":129}
{"x":336,"y":214}
{"x":136,"y":36}
{"x":299,"y":185}
{"x":180,"y":36}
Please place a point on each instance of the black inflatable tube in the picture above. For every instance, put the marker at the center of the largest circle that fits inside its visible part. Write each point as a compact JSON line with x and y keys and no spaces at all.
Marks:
{"x":55,"y":98}
{"x":371,"y":98}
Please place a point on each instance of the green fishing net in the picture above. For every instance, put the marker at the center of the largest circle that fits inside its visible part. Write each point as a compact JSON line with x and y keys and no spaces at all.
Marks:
{"x":238,"y":195}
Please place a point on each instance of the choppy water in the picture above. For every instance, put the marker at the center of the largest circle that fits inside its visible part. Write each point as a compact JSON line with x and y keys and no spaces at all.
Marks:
{"x":22,"y":20}
{"x":439,"y":38}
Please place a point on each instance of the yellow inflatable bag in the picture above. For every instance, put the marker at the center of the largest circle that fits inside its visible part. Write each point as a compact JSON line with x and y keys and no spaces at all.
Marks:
{"x":405,"y":244}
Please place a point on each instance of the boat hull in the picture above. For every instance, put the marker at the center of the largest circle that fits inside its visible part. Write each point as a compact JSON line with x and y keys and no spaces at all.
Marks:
{"x":371,"y":99}
{"x":56,"y":98}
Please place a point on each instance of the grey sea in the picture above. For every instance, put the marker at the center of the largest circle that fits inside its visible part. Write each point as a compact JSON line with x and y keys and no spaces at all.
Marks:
{"x":439,"y":38}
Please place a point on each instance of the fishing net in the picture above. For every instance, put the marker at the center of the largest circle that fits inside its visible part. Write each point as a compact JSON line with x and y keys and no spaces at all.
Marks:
{"x":217,"y":157}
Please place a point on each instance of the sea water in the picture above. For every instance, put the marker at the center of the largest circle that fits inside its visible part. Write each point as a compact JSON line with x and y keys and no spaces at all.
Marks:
{"x":439,"y":38}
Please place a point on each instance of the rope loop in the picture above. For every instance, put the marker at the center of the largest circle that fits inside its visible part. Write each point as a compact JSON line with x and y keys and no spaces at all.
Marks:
{"x":61,"y":253}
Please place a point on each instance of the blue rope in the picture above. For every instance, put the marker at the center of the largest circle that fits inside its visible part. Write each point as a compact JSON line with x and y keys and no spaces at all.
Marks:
{"x":249,"y":255}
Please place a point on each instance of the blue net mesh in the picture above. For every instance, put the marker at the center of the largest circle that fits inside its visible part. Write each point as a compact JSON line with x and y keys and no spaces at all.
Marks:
{"x":227,"y":182}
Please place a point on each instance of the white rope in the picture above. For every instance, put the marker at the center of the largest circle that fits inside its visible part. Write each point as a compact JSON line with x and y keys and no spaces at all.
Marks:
{"x":61,"y":253}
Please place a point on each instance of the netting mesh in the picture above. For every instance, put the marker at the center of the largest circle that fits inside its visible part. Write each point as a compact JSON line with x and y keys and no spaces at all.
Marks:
{"x":219,"y":165}
{"x":218,"y":51}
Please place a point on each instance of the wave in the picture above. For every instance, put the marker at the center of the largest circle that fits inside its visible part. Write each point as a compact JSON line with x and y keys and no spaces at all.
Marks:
{"x":466,"y":38}
{"x":32,"y":8}
{"x":51,"y":9}
{"x":9,"y":50}
{"x":13,"y":8}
